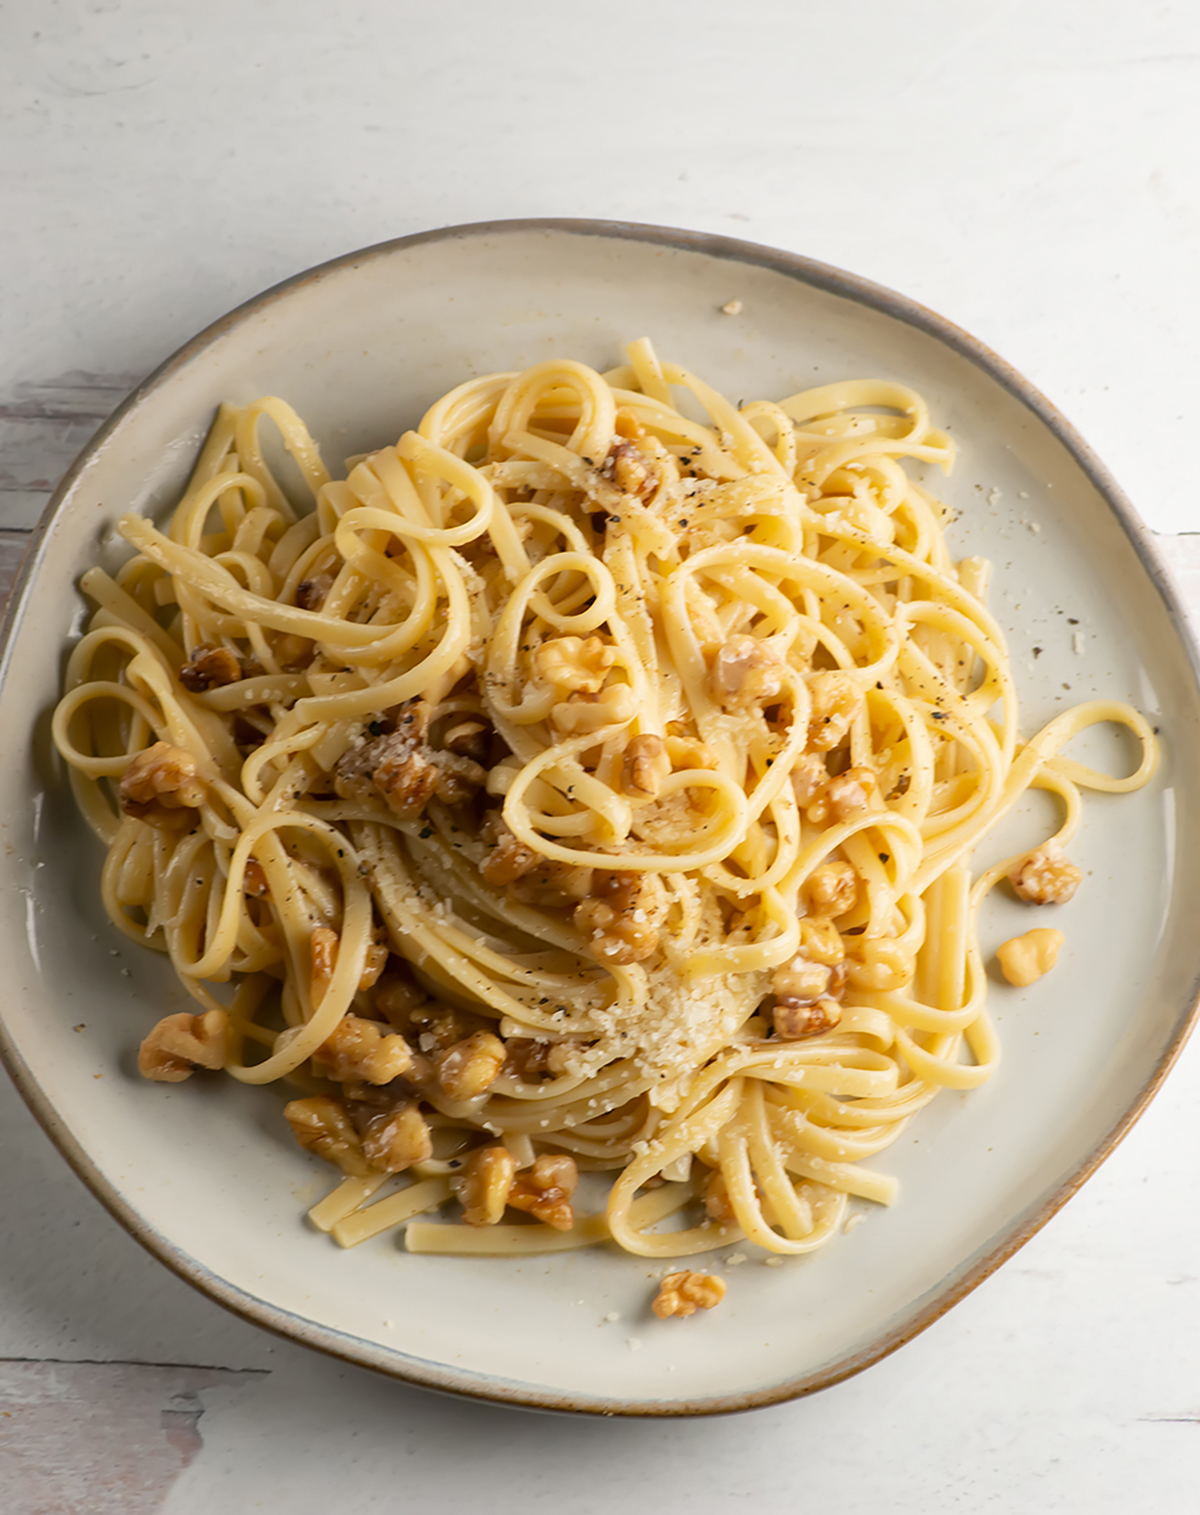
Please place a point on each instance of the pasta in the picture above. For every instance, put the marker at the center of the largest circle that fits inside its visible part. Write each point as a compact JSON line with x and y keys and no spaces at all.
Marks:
{"x":577,"y":786}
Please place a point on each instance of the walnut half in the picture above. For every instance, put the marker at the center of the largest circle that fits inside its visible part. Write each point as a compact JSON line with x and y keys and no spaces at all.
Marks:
{"x":685,"y":1293}
{"x":180,"y":1044}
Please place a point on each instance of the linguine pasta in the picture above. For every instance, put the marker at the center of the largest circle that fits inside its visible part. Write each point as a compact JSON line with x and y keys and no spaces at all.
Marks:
{"x":575,"y":786}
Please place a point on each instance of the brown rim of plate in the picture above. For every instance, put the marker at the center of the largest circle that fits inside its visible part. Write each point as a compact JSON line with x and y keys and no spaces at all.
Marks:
{"x":438,"y":1376}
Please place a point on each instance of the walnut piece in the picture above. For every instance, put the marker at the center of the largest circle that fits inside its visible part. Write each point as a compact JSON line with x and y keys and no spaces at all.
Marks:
{"x":396,"y":997}
{"x":362,"y":1049}
{"x":821,"y":941}
{"x":717,"y":1204}
{"x":628,"y":467}
{"x":311,"y":593}
{"x":809,"y":778}
{"x":527,"y":1059}
{"x":574,"y":664}
{"x":160,"y":780}
{"x":482,"y":1188}
{"x":832,"y":888}
{"x":1025,"y":958}
{"x":795,"y":1019}
{"x":621,"y":919}
{"x":614,"y":706}
{"x":209,"y":667}
{"x":802,"y":980}
{"x":508,"y":859}
{"x":467,"y":1068}
{"x":1045,"y":876}
{"x":836,"y":700}
{"x":395,"y":1139}
{"x":181,"y":1043}
{"x":322,"y":1125}
{"x":847,"y":795}
{"x":545,"y":1191}
{"x":746,"y":672}
{"x":644,"y":765}
{"x":685,"y":1293}
{"x":402,"y":767}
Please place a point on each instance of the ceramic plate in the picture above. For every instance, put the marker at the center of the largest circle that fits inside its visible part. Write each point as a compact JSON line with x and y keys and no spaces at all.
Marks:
{"x":206,"y":1175}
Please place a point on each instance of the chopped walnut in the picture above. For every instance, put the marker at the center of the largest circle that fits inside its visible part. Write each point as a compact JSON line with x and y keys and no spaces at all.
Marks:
{"x":483,"y":1186}
{"x":508,"y":858}
{"x":321,"y":1125}
{"x":181,"y":1043}
{"x":836,"y":700}
{"x":323,"y":955}
{"x":1024,"y":959}
{"x":628,"y":467}
{"x":847,"y":795}
{"x":439,"y":1026}
{"x":556,"y":886}
{"x":832,"y":888}
{"x":573,"y":663}
{"x":545,"y":1191}
{"x":469,"y":739}
{"x":687,"y":752}
{"x":158,"y":781}
{"x":795,"y":1019}
{"x":802,"y":980}
{"x":401,"y":766}
{"x":685,"y":1293}
{"x":396,"y":997}
{"x":809,"y":778}
{"x":614,"y":706}
{"x":527,"y":1059}
{"x":311,"y":593}
{"x":395,"y":1139}
{"x":645,"y":765}
{"x":373,"y":964}
{"x":746,"y":672}
{"x":717,"y":1204}
{"x":362,"y":1049}
{"x":467,"y":1068}
{"x":209,"y":667}
{"x":621,"y":920}
{"x":254,"y":879}
{"x":1045,"y":876}
{"x":821,"y":941}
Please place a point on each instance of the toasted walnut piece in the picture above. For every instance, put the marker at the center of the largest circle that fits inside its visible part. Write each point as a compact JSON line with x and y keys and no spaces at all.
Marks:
{"x":321,"y":1125}
{"x":746,"y":672}
{"x":483,"y":1186}
{"x":644,"y":765}
{"x":254,"y":879}
{"x":361,"y":1049}
{"x":621,"y":921}
{"x":545,"y":1191}
{"x":821,"y":941}
{"x":847,"y":795}
{"x":574,"y":663}
{"x":832,"y":888}
{"x":794,"y":1019}
{"x":396,"y":997}
{"x":878,"y":964}
{"x":1045,"y":876}
{"x":468,"y":739}
{"x":181,"y":1043}
{"x":1025,"y":958}
{"x":395,"y":1139}
{"x":557,"y":886}
{"x":685,"y":1293}
{"x":526,"y":1058}
{"x":439,"y":1026}
{"x":614,"y":706}
{"x":373,"y":965}
{"x":323,"y":955}
{"x":687,"y":752}
{"x":469,"y":1067}
{"x":809,"y":778}
{"x":630,"y":470}
{"x":400,"y":766}
{"x":836,"y":700}
{"x":802,"y":980}
{"x":508,"y":859}
{"x":162,"y":778}
{"x":717,"y":1204}
{"x":209,"y":667}
{"x":311,"y":593}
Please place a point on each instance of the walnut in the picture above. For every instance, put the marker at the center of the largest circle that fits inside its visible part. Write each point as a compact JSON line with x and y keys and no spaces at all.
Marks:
{"x":717,"y":1204}
{"x":467,"y":1068}
{"x":687,"y":752}
{"x":1023,"y":959}
{"x":836,"y":700}
{"x":323,"y":955}
{"x":545,"y":1191}
{"x":209,"y":667}
{"x":551,"y":885}
{"x":159,"y":783}
{"x":439,"y":1026}
{"x":396,"y":997}
{"x":621,"y":920}
{"x":482,"y":1188}
{"x":628,"y":467}
{"x":401,"y":766}
{"x":373,"y":964}
{"x":847,"y":795}
{"x":879,"y":964}
{"x":685,"y":1293}
{"x":395,"y":1139}
{"x":311,"y":593}
{"x":362,"y":1049}
{"x":321,"y":1125}
{"x":832,"y":889}
{"x":645,"y":765}
{"x":614,"y":706}
{"x":796,"y":1019}
{"x":746,"y":672}
{"x":527,"y":1059}
{"x":821,"y":941}
{"x":508,"y":858}
{"x":802,"y":980}
{"x":809,"y":778}
{"x":573,"y":663}
{"x":468,"y":739}
{"x":1045,"y":876}
{"x":181,"y":1043}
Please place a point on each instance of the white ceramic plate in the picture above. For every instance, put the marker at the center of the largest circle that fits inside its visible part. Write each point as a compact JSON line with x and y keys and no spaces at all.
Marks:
{"x":206,"y":1175}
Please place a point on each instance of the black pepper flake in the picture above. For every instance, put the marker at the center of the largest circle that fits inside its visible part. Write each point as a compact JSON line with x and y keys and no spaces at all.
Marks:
{"x":885,"y":857}
{"x":1037,"y":652}
{"x":375,"y":728}
{"x":425,"y":833}
{"x":939,"y":715}
{"x":1071,"y":621}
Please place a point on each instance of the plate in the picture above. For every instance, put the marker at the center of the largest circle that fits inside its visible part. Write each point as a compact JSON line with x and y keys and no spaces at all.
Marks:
{"x":206,"y":1175}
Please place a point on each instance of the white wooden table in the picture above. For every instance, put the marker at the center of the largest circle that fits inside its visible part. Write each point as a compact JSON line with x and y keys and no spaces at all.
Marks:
{"x":1032,"y":170}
